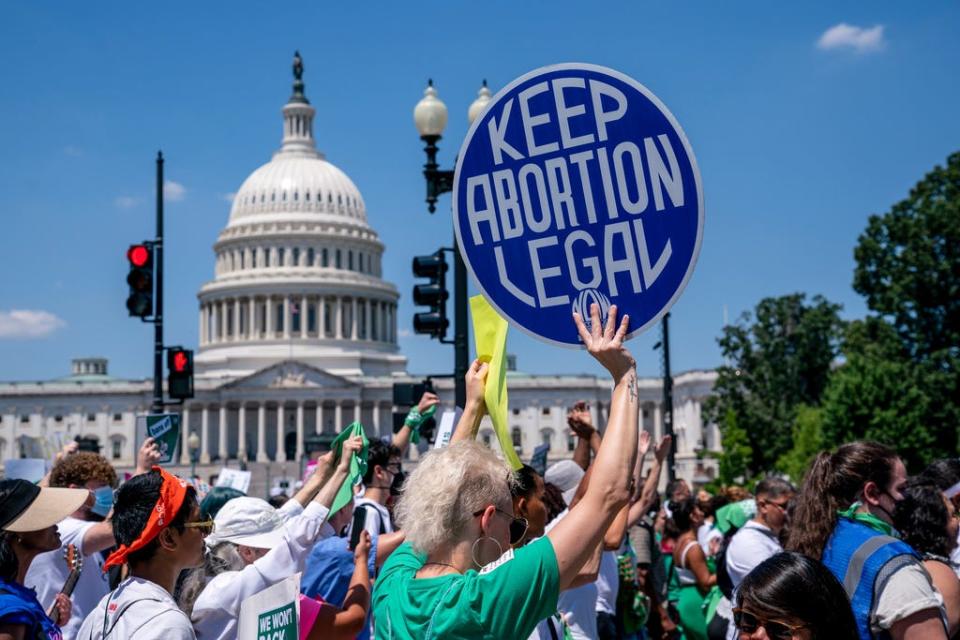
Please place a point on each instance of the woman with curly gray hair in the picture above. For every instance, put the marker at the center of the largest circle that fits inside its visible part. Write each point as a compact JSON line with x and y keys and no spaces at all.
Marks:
{"x":457,"y":576}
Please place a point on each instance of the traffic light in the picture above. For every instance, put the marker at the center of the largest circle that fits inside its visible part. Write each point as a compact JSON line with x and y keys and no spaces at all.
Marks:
{"x":180,"y":373}
{"x":140,"y":279}
{"x":433,"y":295}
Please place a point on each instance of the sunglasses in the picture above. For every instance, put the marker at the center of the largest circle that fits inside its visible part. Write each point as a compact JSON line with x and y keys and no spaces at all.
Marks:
{"x":205,"y":527}
{"x":748,"y":623}
{"x":518,"y":526}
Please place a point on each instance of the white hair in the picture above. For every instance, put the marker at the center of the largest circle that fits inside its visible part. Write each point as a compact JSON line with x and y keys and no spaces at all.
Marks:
{"x":448,"y":486}
{"x":219,"y":559}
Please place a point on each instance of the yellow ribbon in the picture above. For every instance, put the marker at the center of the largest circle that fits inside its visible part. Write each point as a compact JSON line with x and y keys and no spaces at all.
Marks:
{"x":490,"y":332}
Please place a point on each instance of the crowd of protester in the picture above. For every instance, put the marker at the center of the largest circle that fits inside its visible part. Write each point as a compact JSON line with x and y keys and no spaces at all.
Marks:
{"x":466,"y":547}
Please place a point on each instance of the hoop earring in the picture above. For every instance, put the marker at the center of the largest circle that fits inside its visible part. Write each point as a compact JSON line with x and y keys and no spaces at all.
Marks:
{"x":473,"y":550}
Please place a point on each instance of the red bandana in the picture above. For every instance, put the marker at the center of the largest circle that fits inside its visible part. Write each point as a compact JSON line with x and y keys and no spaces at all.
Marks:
{"x":172,"y":492}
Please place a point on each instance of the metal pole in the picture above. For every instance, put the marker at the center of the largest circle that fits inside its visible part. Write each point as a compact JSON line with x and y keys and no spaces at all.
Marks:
{"x":668,"y":401}
{"x":461,"y":337}
{"x":157,"y":406}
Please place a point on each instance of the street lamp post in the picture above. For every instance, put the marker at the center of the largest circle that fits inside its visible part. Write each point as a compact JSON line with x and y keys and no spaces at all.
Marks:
{"x":430,"y":118}
{"x":193,"y":444}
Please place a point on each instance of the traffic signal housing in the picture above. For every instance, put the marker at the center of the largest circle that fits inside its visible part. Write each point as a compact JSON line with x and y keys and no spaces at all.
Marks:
{"x":433,"y":295}
{"x":180,"y":373}
{"x":140,"y":279}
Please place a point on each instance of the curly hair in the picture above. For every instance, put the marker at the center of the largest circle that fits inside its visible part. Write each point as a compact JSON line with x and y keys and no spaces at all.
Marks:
{"x":553,"y":499}
{"x":82,"y":467}
{"x":922,"y":518}
{"x":447,"y":487}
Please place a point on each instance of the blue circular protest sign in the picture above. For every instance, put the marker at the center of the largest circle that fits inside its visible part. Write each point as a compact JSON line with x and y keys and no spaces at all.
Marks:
{"x":576,"y":186}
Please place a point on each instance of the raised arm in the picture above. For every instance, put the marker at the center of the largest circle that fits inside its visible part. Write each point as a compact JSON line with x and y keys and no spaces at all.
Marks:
{"x":321,"y":474}
{"x":577,"y":535}
{"x":334,"y":623}
{"x":329,"y":490}
{"x":401,"y":439}
{"x":649,"y":492}
{"x":473,"y":413}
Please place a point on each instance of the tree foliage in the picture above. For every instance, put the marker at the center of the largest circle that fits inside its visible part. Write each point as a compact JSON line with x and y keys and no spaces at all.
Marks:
{"x":808,"y":441}
{"x":779,"y":357}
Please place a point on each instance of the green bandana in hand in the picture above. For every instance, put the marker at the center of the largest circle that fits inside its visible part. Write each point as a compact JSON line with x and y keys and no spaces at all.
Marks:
{"x":358,"y":466}
{"x":414,"y":419}
{"x":868,"y":519}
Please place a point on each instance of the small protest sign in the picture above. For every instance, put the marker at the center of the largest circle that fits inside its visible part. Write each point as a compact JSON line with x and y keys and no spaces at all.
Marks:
{"x":448,"y":423}
{"x":164,"y":428}
{"x":234,"y":478}
{"x":272,"y":614}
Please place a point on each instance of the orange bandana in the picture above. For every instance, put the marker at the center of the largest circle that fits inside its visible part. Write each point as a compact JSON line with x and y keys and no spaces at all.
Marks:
{"x":173,"y":490}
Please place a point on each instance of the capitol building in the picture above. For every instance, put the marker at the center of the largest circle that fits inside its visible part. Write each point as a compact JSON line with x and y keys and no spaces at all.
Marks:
{"x":297,"y":335}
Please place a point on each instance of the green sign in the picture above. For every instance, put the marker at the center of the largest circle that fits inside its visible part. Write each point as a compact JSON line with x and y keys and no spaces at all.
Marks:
{"x":164,"y":428}
{"x":279,"y":624}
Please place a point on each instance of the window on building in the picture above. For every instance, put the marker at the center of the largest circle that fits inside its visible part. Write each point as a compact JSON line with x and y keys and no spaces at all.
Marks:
{"x":253,"y":259}
{"x":296,"y":256}
{"x":516,"y":412}
{"x":295,"y":312}
{"x":24,"y":418}
{"x":337,"y":260}
{"x":311,"y":256}
{"x":117,"y":417}
{"x":91,"y":417}
{"x":311,"y":318}
{"x":58,"y":418}
{"x":350,"y":260}
{"x":280,"y":253}
{"x":486,"y":437}
{"x":324,"y":258}
{"x":116,"y":448}
{"x":546,"y":411}
{"x":517,"y":437}
{"x":546,"y":437}
{"x":278,"y":325}
{"x":266,"y":257}
{"x":571,"y":442}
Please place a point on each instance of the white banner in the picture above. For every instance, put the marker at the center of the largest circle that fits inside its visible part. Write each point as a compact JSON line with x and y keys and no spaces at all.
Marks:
{"x":272,"y":614}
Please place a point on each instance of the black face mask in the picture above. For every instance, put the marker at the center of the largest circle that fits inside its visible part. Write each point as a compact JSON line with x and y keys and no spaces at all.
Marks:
{"x":397,"y":483}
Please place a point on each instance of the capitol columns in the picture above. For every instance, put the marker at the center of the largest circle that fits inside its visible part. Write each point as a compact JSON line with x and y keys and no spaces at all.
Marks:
{"x":354,"y":318}
{"x":303,"y":316}
{"x":338,"y":333}
{"x":376,"y":417}
{"x":205,"y":435}
{"x":184,"y":435}
{"x":337,"y":416}
{"x":281,"y":455}
{"x":262,"y":433}
{"x":319,"y":426}
{"x":356,"y":410}
{"x":242,"y":432}
{"x":236,"y":319}
{"x":286,"y":317}
{"x":222,"y":433}
{"x":252,"y":323}
{"x":300,"y":422}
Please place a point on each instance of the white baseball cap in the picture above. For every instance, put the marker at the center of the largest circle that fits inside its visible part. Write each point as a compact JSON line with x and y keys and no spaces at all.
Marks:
{"x":566,"y":476}
{"x":251,"y":522}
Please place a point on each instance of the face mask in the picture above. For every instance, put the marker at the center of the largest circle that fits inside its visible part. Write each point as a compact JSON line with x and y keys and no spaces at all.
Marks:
{"x":102,"y":501}
{"x":397,"y":483}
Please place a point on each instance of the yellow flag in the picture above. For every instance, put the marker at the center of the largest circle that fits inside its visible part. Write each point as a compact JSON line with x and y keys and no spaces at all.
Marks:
{"x":490,"y":331}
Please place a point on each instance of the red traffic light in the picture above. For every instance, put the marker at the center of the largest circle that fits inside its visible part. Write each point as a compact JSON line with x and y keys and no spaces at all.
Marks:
{"x":180,"y":361}
{"x":138,"y":255}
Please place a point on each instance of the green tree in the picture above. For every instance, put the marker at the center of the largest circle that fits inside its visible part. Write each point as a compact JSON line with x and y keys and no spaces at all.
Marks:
{"x":807,"y":443}
{"x":779,"y":357}
{"x":908,"y":267}
{"x":736,"y":452}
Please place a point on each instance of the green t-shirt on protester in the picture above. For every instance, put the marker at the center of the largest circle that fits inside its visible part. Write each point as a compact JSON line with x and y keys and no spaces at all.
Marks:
{"x":506,"y":599}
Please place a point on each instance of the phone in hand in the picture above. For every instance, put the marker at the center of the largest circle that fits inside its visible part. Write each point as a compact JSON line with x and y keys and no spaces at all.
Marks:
{"x":359,"y":521}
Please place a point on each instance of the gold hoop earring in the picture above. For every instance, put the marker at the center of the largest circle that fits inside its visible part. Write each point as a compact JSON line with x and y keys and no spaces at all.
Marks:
{"x":473,"y":550}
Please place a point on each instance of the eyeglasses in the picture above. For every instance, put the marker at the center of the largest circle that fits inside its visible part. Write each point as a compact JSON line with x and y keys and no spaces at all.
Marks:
{"x":779,"y":505}
{"x":205,"y":527}
{"x":518,"y":525}
{"x":748,"y":623}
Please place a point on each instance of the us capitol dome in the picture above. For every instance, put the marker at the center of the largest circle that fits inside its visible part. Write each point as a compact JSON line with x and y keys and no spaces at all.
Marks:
{"x":298,"y":269}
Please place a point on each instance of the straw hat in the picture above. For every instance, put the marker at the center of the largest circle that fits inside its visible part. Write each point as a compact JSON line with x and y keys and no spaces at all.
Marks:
{"x":26,"y":507}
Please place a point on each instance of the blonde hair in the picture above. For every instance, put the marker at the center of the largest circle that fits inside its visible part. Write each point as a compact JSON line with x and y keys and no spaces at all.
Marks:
{"x":447,"y":488}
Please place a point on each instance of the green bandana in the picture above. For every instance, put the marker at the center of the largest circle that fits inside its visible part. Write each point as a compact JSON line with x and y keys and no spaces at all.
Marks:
{"x":414,"y":419}
{"x":868,"y":519}
{"x":358,"y":466}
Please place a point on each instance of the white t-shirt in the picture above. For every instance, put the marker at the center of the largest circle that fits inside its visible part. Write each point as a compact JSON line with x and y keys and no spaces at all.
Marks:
{"x":608,"y":583}
{"x":578,"y":606}
{"x":377,"y":514}
{"x":48,"y":572}
{"x":908,"y":591}
{"x":138,"y":610}
{"x":748,"y":547}
{"x":217,"y":609}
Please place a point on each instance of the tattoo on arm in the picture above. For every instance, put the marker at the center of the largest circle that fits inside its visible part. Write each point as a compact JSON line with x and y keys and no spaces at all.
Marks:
{"x":632,"y":386}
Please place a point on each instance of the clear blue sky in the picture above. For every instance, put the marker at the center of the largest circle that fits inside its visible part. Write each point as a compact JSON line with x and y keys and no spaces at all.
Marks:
{"x":797,"y":143}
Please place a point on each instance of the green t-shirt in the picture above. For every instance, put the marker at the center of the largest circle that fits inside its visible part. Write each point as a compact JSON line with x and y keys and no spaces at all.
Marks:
{"x":506,"y":599}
